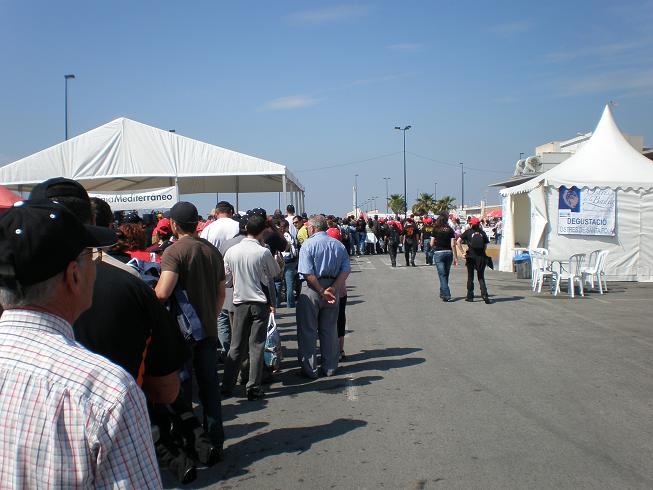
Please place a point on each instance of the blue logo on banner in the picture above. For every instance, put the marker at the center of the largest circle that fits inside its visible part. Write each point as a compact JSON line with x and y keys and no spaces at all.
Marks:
{"x":569,"y":199}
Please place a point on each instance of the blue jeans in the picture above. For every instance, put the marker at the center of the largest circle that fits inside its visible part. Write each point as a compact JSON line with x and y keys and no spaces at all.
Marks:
{"x":224,"y":330}
{"x":361,"y":242}
{"x":204,"y":359}
{"x":443,"y":260}
{"x":289,"y":273}
{"x":427,"y":250}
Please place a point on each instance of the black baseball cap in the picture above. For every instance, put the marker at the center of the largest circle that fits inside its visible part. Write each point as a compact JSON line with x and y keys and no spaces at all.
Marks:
{"x":59,"y":187}
{"x":39,"y":238}
{"x":259,"y":212}
{"x":185,"y":213}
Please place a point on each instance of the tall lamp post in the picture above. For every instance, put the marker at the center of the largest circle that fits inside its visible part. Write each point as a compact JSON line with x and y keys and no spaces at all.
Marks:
{"x":404,"y":129}
{"x":356,"y":196}
{"x":66,"y":78}
{"x":462,"y":182}
{"x":435,"y":192}
{"x":386,"y":193}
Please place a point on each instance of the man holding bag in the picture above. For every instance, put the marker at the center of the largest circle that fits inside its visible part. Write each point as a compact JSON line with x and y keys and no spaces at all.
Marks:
{"x":249,"y":267}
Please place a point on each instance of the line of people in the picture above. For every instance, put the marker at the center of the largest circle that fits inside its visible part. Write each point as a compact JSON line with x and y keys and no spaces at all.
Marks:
{"x":98,"y":367}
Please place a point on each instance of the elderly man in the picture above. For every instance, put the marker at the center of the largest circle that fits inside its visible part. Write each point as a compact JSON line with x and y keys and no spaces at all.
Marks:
{"x":68,"y":417}
{"x":324,"y":263}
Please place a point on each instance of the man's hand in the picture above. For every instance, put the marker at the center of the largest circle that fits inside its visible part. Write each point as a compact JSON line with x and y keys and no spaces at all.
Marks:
{"x":329,"y":295}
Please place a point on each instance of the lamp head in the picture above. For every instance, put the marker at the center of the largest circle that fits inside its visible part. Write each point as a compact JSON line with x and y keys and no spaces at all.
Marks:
{"x":407,"y":127}
{"x":69,"y":76}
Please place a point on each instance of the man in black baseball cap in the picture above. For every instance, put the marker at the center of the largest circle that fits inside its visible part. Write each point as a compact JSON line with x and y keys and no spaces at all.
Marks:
{"x":40,"y":239}
{"x":47,"y":275}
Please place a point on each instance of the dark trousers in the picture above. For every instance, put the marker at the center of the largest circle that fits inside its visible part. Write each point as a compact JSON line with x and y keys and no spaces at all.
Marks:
{"x":410,"y":250}
{"x":204,"y":360}
{"x":476,"y":264}
{"x":342,"y":316}
{"x":392,"y":250}
{"x":249,"y":331}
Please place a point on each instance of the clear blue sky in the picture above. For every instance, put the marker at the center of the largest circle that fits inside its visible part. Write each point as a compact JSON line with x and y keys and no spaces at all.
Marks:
{"x":318,"y":84}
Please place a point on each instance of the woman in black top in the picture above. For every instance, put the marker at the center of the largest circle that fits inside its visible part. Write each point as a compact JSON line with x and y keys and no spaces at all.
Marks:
{"x":444,"y":253}
{"x":475,"y":258}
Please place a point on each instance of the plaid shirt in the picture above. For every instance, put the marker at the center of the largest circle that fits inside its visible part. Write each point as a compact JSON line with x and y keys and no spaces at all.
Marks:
{"x":69,"y":418}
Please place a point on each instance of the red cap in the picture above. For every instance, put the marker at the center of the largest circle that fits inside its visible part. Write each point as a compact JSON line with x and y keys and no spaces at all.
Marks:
{"x":335,"y":233}
{"x":474,"y":221}
{"x":163,"y":227}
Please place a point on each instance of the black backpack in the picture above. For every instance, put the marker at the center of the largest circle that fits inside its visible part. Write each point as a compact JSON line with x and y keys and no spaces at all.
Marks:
{"x":476,"y":241}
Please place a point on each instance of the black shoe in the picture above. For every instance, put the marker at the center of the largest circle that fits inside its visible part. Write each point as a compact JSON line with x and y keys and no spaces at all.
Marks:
{"x":487,"y":300}
{"x":394,"y":264}
{"x":469,"y":299}
{"x":255,"y":394}
{"x":342,"y":357}
{"x":207,"y":453}
{"x":446,"y":300}
{"x":226,"y":393}
{"x":175,"y":460}
{"x":413,"y":264}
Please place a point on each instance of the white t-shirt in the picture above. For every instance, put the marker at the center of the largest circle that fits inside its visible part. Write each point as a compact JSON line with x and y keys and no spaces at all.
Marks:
{"x":291,"y":227}
{"x":220,"y":231}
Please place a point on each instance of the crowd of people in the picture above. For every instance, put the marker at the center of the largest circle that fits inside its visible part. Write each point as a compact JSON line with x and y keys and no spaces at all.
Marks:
{"x":109,"y":325}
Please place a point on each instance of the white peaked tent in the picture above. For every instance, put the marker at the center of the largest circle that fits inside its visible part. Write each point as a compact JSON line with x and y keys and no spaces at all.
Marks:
{"x":125,"y":155}
{"x":607,"y":160}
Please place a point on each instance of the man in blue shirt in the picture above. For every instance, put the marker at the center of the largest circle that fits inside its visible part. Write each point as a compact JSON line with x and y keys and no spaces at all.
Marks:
{"x":324,"y":263}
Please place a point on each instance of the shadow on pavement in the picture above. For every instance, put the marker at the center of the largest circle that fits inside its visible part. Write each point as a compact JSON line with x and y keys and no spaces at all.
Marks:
{"x":241,"y":455}
{"x":236,"y":431}
{"x":504,"y":299}
{"x":381,"y":365}
{"x":291,"y":387}
{"x":375,"y":353}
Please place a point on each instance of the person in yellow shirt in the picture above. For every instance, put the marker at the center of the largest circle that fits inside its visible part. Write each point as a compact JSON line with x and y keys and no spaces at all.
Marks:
{"x":302,"y":231}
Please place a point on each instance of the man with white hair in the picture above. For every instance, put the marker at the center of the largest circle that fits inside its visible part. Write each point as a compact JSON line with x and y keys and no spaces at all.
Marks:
{"x":68,"y":417}
{"x":324,"y":263}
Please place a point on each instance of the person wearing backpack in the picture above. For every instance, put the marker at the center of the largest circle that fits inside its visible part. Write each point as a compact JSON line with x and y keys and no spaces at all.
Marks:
{"x":475,"y":259}
{"x":410,"y":241}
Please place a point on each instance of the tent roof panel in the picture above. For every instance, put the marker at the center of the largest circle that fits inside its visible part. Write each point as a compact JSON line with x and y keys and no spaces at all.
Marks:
{"x":606,"y":160}
{"x":129,"y":155}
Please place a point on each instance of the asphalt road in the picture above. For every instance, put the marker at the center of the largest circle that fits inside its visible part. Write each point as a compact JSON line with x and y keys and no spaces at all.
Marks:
{"x":529,"y":392}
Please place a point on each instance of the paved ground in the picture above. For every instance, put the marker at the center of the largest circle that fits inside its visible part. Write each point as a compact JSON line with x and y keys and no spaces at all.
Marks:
{"x":530,"y":392}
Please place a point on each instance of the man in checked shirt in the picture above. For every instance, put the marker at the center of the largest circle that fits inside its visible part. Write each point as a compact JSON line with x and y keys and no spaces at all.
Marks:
{"x":69,"y":418}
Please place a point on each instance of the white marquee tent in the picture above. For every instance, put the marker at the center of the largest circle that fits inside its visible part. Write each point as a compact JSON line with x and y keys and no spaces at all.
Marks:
{"x":125,"y":155}
{"x":606,"y":161}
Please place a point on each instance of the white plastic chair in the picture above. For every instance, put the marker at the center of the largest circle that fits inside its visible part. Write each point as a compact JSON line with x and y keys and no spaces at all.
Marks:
{"x":596,"y":270}
{"x":571,"y":272}
{"x":539,"y":267}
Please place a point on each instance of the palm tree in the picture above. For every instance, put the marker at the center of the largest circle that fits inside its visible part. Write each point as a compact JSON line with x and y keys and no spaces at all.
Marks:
{"x":396,"y":203}
{"x":423,"y":204}
{"x":444,"y":205}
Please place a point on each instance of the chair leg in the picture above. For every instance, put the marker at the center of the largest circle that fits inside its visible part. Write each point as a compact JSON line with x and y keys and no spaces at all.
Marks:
{"x":582,"y":286}
{"x":571,"y":286}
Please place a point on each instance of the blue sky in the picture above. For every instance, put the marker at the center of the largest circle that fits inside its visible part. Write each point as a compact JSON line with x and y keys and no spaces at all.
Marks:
{"x":321,"y":84}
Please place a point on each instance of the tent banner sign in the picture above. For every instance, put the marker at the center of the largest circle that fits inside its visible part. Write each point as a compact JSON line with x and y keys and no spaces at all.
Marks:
{"x":165,"y":197}
{"x":586,"y":211}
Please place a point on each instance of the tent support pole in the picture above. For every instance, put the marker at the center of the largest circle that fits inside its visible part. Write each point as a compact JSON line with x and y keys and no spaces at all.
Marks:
{"x":237,"y":192}
{"x":284,"y":190}
{"x":177,"y":187}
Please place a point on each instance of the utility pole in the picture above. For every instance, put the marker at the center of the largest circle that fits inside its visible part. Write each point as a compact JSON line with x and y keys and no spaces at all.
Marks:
{"x":387,"y":197}
{"x":462,"y":181}
{"x":404,"y":129}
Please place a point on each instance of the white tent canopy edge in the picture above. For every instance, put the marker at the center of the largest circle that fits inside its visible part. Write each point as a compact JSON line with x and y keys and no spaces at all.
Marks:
{"x":125,"y":155}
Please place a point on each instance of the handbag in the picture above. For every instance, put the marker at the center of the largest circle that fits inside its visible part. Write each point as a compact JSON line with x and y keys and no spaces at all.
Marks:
{"x":272,"y":354}
{"x":182,"y":310}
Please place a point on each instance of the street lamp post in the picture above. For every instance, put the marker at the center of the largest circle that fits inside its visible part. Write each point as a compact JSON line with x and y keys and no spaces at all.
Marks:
{"x":66,"y":78}
{"x":386,"y":193}
{"x":355,"y":195}
{"x":462,"y":181}
{"x":435,"y":192}
{"x":404,"y":129}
